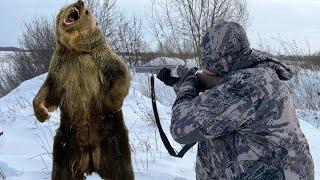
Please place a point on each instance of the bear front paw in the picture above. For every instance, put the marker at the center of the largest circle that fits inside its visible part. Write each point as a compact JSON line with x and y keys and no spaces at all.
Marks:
{"x":41,"y":112}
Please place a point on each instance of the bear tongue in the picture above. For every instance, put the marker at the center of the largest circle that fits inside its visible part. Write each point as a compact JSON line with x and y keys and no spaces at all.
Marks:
{"x":71,"y":19}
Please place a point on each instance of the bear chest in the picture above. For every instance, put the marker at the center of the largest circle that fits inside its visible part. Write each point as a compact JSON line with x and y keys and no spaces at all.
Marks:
{"x":81,"y":83}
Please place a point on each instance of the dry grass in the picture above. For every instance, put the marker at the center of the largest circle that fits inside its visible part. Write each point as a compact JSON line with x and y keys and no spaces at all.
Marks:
{"x":311,"y":62}
{"x":306,"y":90}
{"x":292,"y":53}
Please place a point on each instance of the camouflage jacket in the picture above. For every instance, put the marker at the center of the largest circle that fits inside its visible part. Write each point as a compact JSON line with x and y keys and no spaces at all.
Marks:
{"x":246,"y":126}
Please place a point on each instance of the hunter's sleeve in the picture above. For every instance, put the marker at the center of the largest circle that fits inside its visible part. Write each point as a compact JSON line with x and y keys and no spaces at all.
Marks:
{"x":215,"y":112}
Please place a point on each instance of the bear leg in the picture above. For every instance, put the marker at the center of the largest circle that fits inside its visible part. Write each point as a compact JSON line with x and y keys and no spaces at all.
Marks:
{"x":115,"y":162}
{"x":64,"y":160}
{"x":60,"y":166}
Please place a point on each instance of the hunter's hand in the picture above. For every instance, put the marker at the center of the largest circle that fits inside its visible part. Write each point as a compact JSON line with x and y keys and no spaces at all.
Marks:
{"x":191,"y":79}
{"x":40,"y":111}
{"x":165,"y":76}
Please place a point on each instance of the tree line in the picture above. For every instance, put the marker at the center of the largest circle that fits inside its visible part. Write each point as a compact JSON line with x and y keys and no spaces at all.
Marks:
{"x":176,"y":26}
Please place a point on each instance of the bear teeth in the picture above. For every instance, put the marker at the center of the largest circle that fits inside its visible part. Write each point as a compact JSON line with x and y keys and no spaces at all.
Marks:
{"x":77,"y":10}
{"x":73,"y":16}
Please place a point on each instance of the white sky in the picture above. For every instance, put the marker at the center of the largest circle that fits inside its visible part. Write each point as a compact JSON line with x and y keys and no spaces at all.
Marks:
{"x":293,"y":20}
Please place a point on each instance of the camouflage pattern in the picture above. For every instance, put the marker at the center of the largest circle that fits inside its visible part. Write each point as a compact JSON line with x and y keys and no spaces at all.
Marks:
{"x":225,"y":48}
{"x":246,"y":126}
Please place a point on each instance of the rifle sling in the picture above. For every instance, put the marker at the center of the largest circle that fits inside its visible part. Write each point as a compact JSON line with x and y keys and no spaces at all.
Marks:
{"x":163,"y":136}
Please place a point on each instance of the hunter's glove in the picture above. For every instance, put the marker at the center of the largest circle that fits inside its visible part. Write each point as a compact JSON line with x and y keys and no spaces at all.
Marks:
{"x":189,"y":81}
{"x":165,"y":76}
{"x":191,"y":78}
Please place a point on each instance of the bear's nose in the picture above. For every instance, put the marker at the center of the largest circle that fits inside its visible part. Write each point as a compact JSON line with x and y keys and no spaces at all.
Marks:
{"x":80,"y":3}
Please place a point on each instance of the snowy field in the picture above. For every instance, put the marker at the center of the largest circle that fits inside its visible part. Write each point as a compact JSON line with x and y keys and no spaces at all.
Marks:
{"x":26,"y":146}
{"x":5,"y":66}
{"x":4,"y":61}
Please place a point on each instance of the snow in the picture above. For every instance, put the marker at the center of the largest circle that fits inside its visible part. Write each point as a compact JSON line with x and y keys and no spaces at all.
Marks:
{"x":312,"y":134}
{"x":4,"y":59}
{"x":305,"y":88}
{"x":25,"y":153}
{"x":26,"y":145}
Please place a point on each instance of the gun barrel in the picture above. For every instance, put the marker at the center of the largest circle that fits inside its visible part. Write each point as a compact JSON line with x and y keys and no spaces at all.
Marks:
{"x":153,"y":69}
{"x":176,"y":70}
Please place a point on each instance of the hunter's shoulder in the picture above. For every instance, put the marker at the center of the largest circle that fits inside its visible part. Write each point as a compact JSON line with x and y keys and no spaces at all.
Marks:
{"x":258,"y":71}
{"x":257,"y":75}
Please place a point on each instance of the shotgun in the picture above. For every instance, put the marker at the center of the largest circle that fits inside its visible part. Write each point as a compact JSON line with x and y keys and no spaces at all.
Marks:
{"x":179,"y":71}
{"x":205,"y":82}
{"x":176,"y":70}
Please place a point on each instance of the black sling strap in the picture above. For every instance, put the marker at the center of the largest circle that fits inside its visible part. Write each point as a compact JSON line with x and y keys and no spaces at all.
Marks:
{"x":163,"y":136}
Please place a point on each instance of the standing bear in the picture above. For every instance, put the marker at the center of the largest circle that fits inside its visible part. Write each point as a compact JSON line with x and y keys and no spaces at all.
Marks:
{"x":88,"y":82}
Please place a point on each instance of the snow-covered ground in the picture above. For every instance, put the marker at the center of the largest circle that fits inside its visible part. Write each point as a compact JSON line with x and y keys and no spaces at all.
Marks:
{"x":4,"y":59}
{"x":305,"y":88}
{"x":25,"y":151}
{"x":26,"y":145}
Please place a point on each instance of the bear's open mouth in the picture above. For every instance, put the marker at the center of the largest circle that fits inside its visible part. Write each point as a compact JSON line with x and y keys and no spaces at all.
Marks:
{"x":73,"y":16}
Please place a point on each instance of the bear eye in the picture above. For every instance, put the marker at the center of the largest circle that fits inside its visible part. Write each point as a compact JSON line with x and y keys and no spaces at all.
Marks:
{"x":87,"y":12}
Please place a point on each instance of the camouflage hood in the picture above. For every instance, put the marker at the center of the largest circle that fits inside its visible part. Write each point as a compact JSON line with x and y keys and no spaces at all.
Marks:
{"x":225,"y":48}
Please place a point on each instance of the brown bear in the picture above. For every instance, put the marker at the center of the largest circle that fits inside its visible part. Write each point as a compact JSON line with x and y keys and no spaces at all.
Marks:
{"x":88,"y":82}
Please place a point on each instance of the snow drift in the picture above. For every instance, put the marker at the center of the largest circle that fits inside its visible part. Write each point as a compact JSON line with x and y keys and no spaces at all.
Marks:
{"x":26,"y":146}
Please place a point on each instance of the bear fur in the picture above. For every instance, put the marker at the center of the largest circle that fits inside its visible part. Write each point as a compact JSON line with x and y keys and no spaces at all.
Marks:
{"x":88,"y":82}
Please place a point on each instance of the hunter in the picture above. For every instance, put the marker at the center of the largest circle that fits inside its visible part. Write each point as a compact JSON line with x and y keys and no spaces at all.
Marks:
{"x":245,"y":124}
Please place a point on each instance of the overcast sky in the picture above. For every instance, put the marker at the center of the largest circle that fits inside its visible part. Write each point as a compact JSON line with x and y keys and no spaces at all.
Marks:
{"x":293,"y":20}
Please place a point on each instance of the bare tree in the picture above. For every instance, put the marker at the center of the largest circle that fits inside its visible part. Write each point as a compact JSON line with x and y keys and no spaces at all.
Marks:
{"x":38,"y":44}
{"x":38,"y":41}
{"x":107,"y":15}
{"x":123,"y":34}
{"x":185,"y":21}
{"x":169,"y":48}
{"x":8,"y":79}
{"x":130,"y":43}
